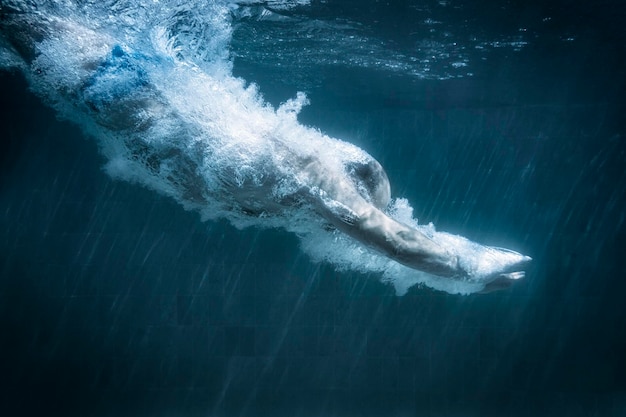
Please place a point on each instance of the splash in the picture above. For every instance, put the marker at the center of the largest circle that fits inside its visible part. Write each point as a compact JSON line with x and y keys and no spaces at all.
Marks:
{"x":152,"y":82}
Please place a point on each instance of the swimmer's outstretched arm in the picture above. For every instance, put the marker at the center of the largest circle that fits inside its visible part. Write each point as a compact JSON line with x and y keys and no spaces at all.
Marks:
{"x":339,"y":202}
{"x":364,"y":221}
{"x":353,"y":215}
{"x":402,"y":243}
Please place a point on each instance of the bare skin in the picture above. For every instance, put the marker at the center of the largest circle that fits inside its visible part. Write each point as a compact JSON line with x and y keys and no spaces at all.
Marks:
{"x":339,"y":201}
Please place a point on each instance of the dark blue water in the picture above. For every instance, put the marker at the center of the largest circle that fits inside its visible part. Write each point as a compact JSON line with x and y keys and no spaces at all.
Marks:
{"x":115,"y":301}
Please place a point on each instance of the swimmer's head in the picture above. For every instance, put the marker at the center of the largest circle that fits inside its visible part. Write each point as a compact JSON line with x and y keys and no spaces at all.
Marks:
{"x":371,"y":182}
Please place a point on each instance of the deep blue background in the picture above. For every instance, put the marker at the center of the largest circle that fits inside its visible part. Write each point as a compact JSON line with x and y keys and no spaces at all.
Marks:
{"x":115,"y":301}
